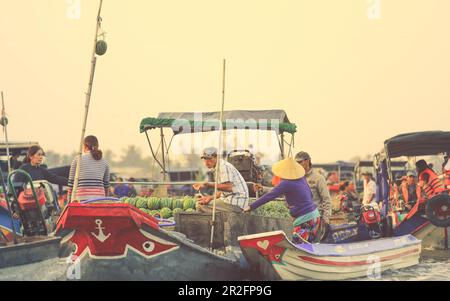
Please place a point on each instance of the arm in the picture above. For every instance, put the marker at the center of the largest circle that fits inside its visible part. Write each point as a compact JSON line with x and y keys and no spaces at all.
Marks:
{"x":228,"y":186}
{"x":106,"y":177}
{"x":325,"y":204}
{"x":55,"y":179}
{"x":71,"y":180}
{"x":273,"y":194}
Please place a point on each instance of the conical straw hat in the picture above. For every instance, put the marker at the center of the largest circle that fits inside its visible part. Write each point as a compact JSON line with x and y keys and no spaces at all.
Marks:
{"x":288,"y":169}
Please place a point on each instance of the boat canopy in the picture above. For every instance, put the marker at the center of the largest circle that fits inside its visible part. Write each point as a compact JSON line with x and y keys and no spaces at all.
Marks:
{"x":190,"y":122}
{"x":20,"y":148}
{"x":418,"y":144}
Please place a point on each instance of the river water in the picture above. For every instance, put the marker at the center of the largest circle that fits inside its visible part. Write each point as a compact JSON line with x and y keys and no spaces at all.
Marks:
{"x":56,"y":269}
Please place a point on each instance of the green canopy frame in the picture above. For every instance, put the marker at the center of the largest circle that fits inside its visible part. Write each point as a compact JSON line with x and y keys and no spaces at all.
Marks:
{"x":189,"y":123}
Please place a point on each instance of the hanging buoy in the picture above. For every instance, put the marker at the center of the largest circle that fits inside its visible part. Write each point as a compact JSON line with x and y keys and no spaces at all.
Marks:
{"x":4,"y":121}
{"x":101,"y":47}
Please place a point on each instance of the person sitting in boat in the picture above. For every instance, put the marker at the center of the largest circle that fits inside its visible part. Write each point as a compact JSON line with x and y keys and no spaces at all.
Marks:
{"x":122,"y":190}
{"x":32,"y":164}
{"x":410,"y":191}
{"x":93,"y":178}
{"x":370,"y":188}
{"x":446,"y":172}
{"x":348,"y":199}
{"x":233,"y":191}
{"x":299,"y":197}
{"x":428,"y":180}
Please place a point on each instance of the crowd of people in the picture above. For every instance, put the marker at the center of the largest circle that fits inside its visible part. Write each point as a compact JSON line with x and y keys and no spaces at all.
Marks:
{"x":305,"y":189}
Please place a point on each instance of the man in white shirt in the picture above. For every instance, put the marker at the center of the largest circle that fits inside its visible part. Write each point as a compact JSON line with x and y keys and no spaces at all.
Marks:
{"x":370,"y":189}
{"x":231,"y":185}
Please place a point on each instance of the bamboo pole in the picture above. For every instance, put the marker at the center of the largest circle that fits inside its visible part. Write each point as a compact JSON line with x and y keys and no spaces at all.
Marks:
{"x":88,"y":100}
{"x":5,"y":125}
{"x":219,"y":156}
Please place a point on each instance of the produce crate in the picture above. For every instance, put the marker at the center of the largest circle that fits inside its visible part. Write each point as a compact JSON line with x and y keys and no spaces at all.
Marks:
{"x":229,"y":226}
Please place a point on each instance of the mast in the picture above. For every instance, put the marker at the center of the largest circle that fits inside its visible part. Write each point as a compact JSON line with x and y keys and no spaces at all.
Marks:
{"x":88,"y":100}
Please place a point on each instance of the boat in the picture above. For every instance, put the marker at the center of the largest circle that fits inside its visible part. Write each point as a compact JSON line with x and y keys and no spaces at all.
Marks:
{"x":276,"y":258}
{"x":116,"y":241}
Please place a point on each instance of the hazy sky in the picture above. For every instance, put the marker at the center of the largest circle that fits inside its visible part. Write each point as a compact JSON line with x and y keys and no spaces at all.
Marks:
{"x":347,"y":78}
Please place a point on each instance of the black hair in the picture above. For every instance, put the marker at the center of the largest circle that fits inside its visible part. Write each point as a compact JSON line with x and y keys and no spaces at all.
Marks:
{"x":31,"y":152}
{"x":91,"y":143}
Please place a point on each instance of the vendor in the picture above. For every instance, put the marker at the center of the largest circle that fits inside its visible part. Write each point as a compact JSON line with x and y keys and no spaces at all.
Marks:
{"x":32,"y":164}
{"x":233,"y":191}
{"x":302,"y":208}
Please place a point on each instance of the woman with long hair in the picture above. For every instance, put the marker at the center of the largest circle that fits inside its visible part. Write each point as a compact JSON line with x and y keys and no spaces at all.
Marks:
{"x":32,"y":164}
{"x":93,"y":178}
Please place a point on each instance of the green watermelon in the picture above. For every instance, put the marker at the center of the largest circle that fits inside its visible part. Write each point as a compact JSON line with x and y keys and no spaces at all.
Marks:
{"x":153,"y":203}
{"x":166,"y":203}
{"x":141,"y":202}
{"x":177,"y":204}
{"x":176,"y":211}
{"x":154,"y":212}
{"x":189,"y":203}
{"x":132,"y":201}
{"x":166,"y":212}
{"x":124,"y":200}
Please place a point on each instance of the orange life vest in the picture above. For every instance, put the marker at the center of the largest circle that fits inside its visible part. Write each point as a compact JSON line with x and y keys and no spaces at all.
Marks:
{"x":434,"y":185}
{"x":447,"y":179}
{"x":405,"y":192}
{"x":275,"y":181}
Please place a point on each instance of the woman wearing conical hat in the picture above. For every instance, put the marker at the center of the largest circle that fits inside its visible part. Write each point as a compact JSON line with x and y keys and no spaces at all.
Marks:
{"x":298,"y":195}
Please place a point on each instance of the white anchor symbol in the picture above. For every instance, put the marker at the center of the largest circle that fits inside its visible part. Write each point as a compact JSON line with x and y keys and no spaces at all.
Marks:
{"x":101,"y":236}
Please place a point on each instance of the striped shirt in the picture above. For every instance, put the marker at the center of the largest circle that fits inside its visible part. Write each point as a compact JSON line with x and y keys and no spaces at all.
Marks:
{"x":239,"y":196}
{"x":93,"y":180}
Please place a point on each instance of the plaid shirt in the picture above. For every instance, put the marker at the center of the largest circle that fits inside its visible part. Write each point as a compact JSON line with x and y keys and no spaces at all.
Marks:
{"x":229,"y":174}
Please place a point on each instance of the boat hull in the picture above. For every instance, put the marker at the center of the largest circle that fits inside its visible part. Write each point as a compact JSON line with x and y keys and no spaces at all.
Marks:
{"x":276,"y":258}
{"x":29,"y":250}
{"x":119,"y":242}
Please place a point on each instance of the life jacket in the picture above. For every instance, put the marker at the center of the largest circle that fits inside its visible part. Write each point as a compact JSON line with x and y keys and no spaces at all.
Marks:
{"x":434,"y":185}
{"x":405,"y":192}
{"x":447,"y":179}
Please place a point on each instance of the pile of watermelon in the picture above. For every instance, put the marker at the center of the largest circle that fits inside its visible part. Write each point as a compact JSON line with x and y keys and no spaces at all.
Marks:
{"x":276,"y":209}
{"x":162,"y":207}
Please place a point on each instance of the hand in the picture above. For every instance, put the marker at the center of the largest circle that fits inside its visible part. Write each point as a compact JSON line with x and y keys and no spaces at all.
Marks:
{"x":257,"y":187}
{"x":15,"y":215}
{"x":198,"y":186}
{"x":247,"y":209}
{"x":205,"y":200}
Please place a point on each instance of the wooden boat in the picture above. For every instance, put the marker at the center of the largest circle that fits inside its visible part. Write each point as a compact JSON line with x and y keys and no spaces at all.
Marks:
{"x":119,"y":242}
{"x":276,"y":258}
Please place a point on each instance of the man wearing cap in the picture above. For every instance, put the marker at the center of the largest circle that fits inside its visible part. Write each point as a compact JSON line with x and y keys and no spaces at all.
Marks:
{"x":410,"y":190}
{"x":318,"y":185}
{"x":370,"y":189}
{"x":231,"y":186}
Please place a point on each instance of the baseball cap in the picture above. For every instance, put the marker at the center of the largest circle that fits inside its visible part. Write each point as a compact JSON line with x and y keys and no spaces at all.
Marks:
{"x":209,"y":153}
{"x":302,"y":156}
{"x":410,"y":174}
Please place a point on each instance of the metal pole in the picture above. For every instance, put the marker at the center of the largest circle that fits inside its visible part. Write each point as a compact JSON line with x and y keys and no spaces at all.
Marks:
{"x":5,"y":124}
{"x":219,"y":156}
{"x":162,"y":154}
{"x":282,"y":145}
{"x":88,"y":100}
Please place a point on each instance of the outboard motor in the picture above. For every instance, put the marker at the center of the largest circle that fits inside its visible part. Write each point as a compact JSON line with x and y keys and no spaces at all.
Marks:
{"x":370,"y":217}
{"x":35,"y":205}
